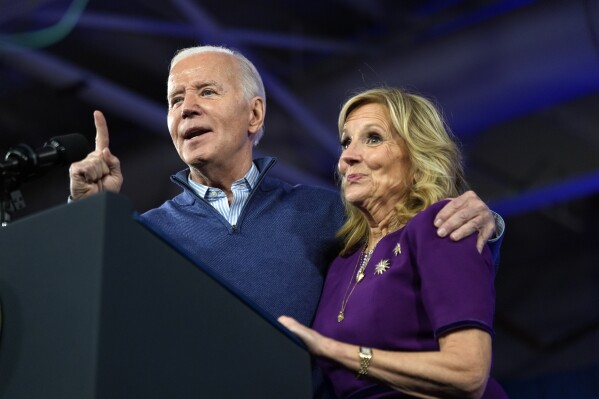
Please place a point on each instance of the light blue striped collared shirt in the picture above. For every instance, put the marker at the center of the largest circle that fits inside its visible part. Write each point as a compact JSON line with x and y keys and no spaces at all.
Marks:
{"x":218,"y":199}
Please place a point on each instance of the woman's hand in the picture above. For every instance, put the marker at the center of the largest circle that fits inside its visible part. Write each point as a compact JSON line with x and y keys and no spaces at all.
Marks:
{"x":315,"y":342}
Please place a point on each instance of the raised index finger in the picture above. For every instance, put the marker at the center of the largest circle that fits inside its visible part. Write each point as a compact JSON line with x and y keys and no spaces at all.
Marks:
{"x":101,"y":131}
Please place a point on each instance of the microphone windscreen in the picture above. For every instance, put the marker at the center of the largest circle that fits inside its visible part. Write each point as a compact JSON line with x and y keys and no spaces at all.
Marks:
{"x":71,"y":147}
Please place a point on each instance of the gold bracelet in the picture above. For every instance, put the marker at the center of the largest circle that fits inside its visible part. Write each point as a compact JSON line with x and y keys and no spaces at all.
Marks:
{"x":365,"y":354}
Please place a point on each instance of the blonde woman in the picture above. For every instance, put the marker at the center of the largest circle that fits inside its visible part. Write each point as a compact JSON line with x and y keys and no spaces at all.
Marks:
{"x":403,"y":312}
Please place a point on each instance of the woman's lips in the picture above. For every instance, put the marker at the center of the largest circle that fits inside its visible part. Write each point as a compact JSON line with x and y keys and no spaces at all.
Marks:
{"x":354,"y":177}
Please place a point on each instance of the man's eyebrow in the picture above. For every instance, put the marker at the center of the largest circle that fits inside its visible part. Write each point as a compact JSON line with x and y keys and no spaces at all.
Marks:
{"x":174,"y":91}
{"x":197,"y":85}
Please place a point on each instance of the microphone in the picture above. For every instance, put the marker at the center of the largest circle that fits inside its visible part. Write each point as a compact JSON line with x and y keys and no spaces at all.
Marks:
{"x":22,"y":162}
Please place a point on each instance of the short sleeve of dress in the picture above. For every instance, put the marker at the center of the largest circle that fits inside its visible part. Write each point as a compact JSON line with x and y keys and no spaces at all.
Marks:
{"x":456,"y":282}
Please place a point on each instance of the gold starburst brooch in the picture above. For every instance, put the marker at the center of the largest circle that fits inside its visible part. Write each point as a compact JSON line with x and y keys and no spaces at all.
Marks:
{"x":381,"y":267}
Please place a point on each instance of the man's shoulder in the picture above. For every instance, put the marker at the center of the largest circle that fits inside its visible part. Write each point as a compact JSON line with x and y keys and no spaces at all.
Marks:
{"x":271,"y":181}
{"x":300,"y":190}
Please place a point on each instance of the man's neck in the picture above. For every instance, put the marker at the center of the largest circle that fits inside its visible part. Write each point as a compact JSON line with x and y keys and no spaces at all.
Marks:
{"x":219,"y":177}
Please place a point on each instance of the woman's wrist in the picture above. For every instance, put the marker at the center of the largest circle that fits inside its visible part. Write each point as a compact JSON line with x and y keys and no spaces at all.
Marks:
{"x":365,"y":355}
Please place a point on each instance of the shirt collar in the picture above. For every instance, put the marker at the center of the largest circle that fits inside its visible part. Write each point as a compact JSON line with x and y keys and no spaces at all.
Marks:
{"x":250,"y":179}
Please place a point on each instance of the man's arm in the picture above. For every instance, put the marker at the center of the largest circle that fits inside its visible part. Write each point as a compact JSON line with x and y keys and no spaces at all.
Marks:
{"x":100,"y":170}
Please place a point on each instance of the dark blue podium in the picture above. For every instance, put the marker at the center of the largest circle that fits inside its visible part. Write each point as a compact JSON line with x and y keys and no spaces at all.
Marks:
{"x":94,"y":305}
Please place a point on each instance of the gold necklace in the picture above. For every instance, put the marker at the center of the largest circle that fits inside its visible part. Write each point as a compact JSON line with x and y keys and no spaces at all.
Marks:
{"x":363,"y":260}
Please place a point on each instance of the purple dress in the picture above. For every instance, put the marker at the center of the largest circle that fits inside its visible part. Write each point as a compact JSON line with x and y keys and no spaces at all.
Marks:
{"x":416,"y":287}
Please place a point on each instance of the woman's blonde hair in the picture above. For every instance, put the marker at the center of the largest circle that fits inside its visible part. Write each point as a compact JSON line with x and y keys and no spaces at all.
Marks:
{"x":433,"y":154}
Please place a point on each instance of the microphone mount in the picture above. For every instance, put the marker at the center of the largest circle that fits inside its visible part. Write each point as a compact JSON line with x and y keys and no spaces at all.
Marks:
{"x":11,"y":198}
{"x":22,"y":163}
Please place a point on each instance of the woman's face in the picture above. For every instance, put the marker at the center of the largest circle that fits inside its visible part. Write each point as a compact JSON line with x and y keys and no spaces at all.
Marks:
{"x":374,"y":164}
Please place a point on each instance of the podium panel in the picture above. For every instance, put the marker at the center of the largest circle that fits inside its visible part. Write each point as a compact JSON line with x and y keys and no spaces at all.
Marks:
{"x":96,"y":306}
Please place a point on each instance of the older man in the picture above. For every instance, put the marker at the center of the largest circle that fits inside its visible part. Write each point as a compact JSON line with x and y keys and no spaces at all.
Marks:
{"x":266,"y":239}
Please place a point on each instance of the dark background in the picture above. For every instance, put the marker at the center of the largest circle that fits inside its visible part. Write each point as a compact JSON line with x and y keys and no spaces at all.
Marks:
{"x":518,"y":82}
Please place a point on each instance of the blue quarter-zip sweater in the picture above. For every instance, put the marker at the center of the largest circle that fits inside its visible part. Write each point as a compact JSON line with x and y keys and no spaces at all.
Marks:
{"x":275,"y":257}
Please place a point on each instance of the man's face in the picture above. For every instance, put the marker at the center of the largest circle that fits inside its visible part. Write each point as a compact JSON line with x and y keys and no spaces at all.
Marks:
{"x":210,"y":122}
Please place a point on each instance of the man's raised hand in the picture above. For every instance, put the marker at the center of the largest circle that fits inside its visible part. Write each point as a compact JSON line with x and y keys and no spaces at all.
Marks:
{"x":100,"y":170}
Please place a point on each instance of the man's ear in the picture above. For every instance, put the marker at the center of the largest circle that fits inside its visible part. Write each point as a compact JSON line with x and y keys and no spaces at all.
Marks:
{"x":257,"y":113}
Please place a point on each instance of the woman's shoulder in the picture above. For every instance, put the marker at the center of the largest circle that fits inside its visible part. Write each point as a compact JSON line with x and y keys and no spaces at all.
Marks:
{"x":427,"y":216}
{"x":422,"y":223}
